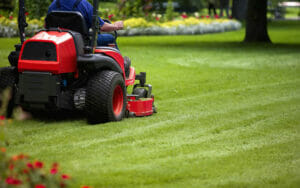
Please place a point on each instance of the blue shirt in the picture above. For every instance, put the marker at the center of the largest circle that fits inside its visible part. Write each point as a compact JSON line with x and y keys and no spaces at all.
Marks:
{"x":84,"y":7}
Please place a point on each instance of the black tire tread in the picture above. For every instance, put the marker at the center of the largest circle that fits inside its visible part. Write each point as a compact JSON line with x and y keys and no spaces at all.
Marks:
{"x":7,"y":77}
{"x":98,"y":97}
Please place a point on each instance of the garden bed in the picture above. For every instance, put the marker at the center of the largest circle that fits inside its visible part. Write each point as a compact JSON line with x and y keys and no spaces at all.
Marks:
{"x":189,"y":26}
{"x":139,"y":26}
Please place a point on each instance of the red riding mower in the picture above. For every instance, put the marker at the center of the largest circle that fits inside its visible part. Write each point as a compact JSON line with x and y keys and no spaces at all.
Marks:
{"x":61,"y":69}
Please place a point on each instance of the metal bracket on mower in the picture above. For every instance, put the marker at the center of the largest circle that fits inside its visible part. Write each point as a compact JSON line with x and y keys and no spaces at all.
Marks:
{"x":142,"y":78}
{"x":141,"y":104}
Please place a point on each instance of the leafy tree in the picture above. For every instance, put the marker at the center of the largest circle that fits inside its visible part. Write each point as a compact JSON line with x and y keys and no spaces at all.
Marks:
{"x":7,"y":5}
{"x":170,"y":10}
{"x":191,"y":5}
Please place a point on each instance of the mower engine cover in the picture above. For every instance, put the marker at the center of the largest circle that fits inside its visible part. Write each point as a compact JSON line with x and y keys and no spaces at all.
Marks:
{"x":53,"y":51}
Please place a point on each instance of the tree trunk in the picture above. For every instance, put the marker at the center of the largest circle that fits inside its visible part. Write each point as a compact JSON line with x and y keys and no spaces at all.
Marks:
{"x":239,"y":9}
{"x":256,"y":22}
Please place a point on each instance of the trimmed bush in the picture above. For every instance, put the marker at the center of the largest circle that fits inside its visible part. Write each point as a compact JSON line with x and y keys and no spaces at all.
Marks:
{"x":139,"y":26}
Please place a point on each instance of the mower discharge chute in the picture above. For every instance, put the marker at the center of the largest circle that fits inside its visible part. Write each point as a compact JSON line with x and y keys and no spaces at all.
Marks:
{"x":61,"y":69}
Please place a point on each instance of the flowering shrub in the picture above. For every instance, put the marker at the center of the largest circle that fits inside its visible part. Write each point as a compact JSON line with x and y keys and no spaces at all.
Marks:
{"x":137,"y":22}
{"x":9,"y":26}
{"x":185,"y":26}
{"x":21,"y":171}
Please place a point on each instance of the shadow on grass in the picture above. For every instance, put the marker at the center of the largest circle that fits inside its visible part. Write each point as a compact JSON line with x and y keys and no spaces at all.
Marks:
{"x":216,"y":45}
{"x":60,"y":116}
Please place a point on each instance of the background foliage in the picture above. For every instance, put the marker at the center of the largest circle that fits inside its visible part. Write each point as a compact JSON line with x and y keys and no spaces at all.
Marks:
{"x":37,"y":8}
{"x":120,"y":8}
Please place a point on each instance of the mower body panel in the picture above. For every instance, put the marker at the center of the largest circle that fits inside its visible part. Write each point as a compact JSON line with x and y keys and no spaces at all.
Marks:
{"x":131,"y":79}
{"x":42,"y":90}
{"x":51,"y":51}
{"x":115,"y":55}
{"x":140,"y":107}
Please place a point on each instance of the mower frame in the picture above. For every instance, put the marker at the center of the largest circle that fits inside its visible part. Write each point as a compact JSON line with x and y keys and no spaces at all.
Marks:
{"x":62,"y":69}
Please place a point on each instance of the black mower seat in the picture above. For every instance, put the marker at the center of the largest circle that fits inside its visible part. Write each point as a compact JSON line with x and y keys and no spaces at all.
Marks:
{"x":71,"y":20}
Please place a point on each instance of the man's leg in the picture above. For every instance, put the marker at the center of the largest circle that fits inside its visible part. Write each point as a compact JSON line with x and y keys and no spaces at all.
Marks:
{"x":227,"y":11}
{"x":214,"y":8}
{"x":221,"y":11}
{"x":209,"y":9}
{"x":106,"y":39}
{"x":227,"y":8}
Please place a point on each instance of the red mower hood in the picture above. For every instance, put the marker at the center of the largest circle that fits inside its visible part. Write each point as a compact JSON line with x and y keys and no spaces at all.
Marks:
{"x":49,"y":51}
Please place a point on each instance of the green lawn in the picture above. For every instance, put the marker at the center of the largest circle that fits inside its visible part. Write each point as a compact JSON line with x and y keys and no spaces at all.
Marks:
{"x":228,"y":116}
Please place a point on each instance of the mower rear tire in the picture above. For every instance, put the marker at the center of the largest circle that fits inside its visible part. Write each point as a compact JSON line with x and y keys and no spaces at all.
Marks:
{"x":105,"y":97}
{"x":8,"y":80}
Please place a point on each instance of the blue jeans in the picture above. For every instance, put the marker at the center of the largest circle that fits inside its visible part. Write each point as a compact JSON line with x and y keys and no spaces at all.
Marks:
{"x":105,"y":39}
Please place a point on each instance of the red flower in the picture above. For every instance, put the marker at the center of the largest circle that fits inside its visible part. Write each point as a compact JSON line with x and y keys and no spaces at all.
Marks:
{"x":65,"y":176}
{"x":11,"y":166}
{"x":15,"y":157}
{"x":55,"y":165}
{"x":12,"y":181}
{"x":22,"y":156}
{"x":157,"y":18}
{"x":217,"y":16}
{"x":85,"y":186}
{"x":3,"y":150}
{"x":9,"y":180}
{"x":40,"y":186}
{"x":38,"y":164}
{"x":11,"y":17}
{"x":207,"y":16}
{"x":110,"y":16}
{"x":26,"y":13}
{"x":25,"y":171}
{"x":2,"y":118}
{"x":53,"y":171}
{"x":202,"y":16}
{"x":184,"y":16}
{"x":29,"y":165}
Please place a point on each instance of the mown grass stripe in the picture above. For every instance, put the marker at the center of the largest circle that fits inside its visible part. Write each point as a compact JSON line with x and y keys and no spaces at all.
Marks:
{"x":152,"y":129}
{"x":229,"y":91}
{"x":227,"y":117}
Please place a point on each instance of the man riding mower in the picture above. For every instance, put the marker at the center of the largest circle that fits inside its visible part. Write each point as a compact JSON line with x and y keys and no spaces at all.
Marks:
{"x":61,"y":69}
